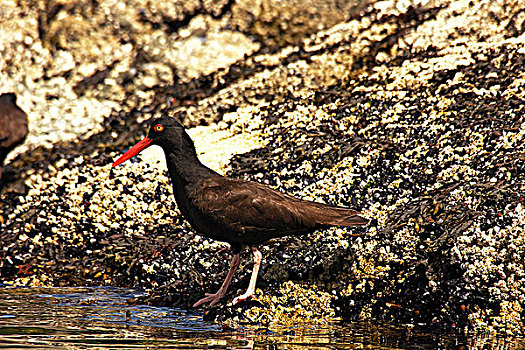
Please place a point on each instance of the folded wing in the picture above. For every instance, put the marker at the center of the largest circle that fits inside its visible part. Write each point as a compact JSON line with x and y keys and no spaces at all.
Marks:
{"x":261,"y":212}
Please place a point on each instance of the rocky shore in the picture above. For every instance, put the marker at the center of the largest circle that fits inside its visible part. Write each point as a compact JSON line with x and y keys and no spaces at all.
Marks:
{"x":412,"y":112}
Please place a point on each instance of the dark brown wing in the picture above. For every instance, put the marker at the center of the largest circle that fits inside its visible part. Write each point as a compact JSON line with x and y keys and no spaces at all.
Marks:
{"x":254,"y":213}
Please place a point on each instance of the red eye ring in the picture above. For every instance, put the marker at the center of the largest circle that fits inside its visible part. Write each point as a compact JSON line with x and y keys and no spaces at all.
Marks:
{"x":158,"y":128}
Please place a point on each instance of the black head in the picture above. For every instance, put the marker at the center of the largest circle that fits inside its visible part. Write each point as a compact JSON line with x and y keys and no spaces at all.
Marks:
{"x":165,"y":132}
{"x":8,"y":97}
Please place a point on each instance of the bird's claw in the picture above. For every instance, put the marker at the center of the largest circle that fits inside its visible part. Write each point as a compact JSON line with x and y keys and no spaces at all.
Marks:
{"x":211,"y":298}
{"x":242,"y":297}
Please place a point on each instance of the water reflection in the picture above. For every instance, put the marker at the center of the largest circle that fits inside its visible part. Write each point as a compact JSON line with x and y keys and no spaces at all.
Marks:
{"x":101,"y":318}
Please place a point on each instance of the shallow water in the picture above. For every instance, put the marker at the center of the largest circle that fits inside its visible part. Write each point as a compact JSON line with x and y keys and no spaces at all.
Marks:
{"x":101,"y":318}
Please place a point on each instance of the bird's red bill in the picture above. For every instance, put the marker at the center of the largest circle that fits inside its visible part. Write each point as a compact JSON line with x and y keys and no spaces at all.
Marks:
{"x":133,"y":151}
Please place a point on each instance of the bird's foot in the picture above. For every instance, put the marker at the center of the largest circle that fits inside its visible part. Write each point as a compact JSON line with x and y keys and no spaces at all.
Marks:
{"x":242,"y":297}
{"x":209,"y":298}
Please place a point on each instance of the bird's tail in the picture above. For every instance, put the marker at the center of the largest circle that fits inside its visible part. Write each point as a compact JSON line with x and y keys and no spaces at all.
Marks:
{"x":338,"y":216}
{"x":345,"y":217}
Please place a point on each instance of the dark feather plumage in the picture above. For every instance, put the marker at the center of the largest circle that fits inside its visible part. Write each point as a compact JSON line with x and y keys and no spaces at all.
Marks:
{"x":13,"y":125}
{"x":242,"y":213}
{"x":249,"y":213}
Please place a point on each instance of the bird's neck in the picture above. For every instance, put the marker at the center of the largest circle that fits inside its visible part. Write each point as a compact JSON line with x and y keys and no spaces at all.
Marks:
{"x":185,"y":168}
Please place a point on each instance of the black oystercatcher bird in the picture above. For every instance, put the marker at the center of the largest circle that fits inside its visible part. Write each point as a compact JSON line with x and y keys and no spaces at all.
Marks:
{"x":13,"y":125}
{"x":242,"y":213}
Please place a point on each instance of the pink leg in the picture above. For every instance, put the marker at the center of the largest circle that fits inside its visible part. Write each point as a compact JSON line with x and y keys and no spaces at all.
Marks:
{"x":214,"y":298}
{"x":257,"y":258}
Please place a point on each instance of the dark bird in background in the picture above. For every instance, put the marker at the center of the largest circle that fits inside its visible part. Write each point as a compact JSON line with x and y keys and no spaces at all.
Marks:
{"x":13,"y":126}
{"x":241,"y":213}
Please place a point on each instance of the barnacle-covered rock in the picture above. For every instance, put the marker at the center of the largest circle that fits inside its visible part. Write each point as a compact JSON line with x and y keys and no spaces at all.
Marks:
{"x":412,"y":113}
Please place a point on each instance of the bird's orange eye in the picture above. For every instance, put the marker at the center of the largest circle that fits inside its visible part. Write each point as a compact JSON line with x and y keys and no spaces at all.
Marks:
{"x":158,"y":128}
